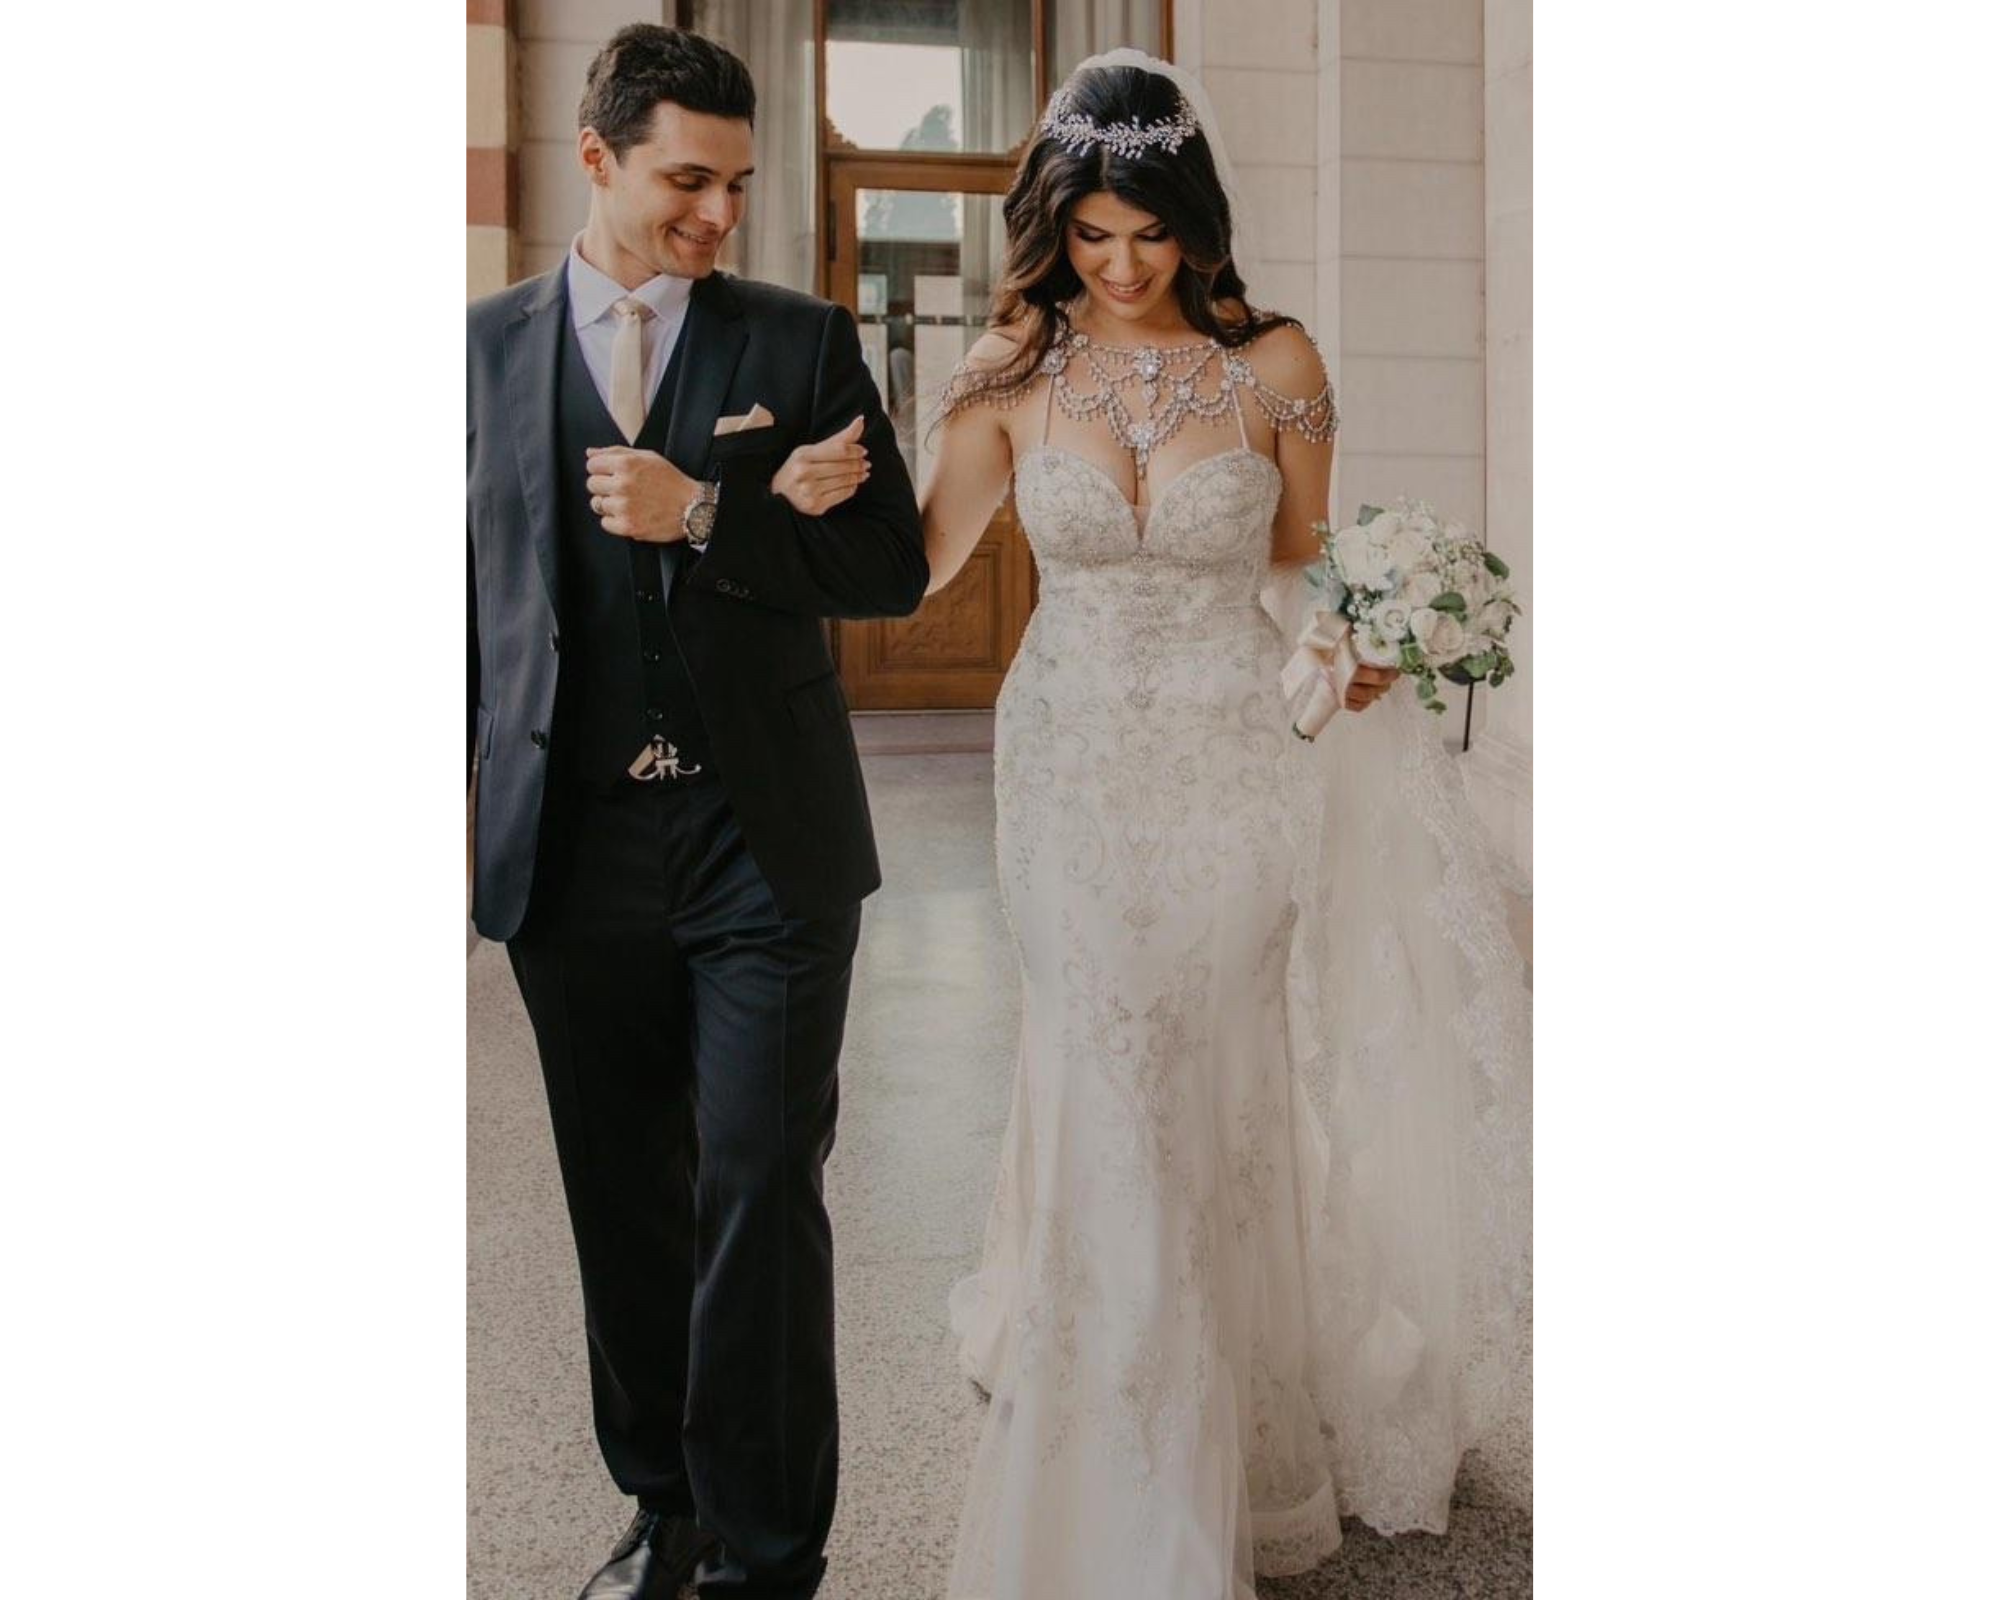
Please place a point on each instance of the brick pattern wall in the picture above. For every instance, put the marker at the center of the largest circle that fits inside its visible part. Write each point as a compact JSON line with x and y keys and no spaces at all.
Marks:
{"x":492,"y":144}
{"x":557,"y":39}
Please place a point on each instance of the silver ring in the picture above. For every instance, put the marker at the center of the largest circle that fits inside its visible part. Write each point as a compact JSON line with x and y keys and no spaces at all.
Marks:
{"x":597,"y":505}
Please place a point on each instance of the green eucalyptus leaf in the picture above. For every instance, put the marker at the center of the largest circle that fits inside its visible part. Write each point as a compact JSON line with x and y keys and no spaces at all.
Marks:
{"x":1495,"y":565}
{"x":1450,"y":601}
{"x":1368,"y":514}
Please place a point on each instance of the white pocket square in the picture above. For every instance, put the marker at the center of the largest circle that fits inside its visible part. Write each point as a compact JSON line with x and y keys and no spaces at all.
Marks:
{"x":755,"y":417}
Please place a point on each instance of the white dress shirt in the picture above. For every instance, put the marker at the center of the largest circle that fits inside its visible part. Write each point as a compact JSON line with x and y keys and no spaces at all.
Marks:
{"x":591,"y":297}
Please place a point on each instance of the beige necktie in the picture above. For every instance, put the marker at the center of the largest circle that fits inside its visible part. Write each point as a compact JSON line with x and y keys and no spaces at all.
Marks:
{"x":628,"y":367}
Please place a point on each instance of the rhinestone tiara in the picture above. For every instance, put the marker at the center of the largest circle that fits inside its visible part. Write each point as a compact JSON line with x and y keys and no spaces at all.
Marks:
{"x":1076,"y":132}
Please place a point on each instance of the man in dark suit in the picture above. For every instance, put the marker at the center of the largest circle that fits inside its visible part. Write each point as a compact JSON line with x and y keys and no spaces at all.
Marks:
{"x":673,"y":476}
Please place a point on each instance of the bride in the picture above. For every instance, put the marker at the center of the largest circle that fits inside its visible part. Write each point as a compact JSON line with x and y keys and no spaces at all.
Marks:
{"x":1257,"y":1254}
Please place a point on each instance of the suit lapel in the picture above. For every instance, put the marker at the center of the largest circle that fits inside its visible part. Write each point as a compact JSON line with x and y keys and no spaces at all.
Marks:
{"x":713,"y":341}
{"x":532,"y":344}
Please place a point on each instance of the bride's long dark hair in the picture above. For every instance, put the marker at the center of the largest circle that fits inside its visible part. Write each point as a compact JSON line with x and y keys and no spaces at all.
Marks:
{"x":1179,"y":187}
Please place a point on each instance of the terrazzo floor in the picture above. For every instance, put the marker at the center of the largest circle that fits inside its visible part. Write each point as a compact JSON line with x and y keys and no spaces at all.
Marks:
{"x":925,"y":1083}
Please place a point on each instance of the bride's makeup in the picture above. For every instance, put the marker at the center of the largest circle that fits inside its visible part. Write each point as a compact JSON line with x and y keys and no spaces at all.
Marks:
{"x":1126,"y":258}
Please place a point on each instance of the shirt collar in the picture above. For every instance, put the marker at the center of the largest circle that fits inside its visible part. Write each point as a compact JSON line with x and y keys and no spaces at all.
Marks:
{"x":592,"y":293}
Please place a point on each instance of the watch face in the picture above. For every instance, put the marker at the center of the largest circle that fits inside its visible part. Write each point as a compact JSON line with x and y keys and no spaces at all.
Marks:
{"x":700,"y":522}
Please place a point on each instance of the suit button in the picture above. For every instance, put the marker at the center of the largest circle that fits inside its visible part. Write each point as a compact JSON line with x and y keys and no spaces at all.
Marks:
{"x":652,"y":655}
{"x":539,"y":739}
{"x":655,"y":714}
{"x":648,"y":596}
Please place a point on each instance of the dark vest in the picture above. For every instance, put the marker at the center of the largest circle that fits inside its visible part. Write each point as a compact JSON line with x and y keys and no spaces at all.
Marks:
{"x":623,"y":679}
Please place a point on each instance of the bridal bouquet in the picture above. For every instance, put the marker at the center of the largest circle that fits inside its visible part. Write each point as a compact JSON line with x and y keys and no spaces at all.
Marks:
{"x":1400,"y":589}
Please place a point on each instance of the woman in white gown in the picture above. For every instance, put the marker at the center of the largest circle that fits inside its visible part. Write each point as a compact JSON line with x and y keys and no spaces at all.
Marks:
{"x":1212,"y":1316}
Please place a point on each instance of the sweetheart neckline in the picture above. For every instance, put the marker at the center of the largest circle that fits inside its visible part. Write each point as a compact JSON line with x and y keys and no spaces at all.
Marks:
{"x":1153,"y":505}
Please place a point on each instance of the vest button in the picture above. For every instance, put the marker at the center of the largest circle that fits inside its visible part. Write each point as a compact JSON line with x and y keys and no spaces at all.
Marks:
{"x":655,"y":714}
{"x":648,"y":596}
{"x":539,"y":739}
{"x":652,"y":655}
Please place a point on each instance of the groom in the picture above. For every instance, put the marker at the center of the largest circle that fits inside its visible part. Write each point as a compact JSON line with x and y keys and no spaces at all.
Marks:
{"x":673,"y":476}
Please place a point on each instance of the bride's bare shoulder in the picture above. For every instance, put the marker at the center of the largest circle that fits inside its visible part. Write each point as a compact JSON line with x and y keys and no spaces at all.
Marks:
{"x":987,"y":375}
{"x":993,"y":349}
{"x":1285,"y":359}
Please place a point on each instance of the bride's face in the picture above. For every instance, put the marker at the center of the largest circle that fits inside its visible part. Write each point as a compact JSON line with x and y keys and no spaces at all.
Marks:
{"x":1125,"y":257}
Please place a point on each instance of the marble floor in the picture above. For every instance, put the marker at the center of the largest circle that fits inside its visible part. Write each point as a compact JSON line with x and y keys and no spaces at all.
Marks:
{"x":925,"y":1082}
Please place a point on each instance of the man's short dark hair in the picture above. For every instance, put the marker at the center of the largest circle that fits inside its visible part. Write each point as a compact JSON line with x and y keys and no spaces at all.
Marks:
{"x":645,"y":64}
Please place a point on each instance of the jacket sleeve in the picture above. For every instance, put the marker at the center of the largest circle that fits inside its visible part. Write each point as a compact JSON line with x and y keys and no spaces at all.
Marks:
{"x":471,"y":658}
{"x":471,"y":569}
{"x":864,"y":558}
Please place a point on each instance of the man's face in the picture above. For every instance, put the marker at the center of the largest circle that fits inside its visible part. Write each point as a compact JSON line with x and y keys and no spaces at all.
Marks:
{"x":672,"y":200}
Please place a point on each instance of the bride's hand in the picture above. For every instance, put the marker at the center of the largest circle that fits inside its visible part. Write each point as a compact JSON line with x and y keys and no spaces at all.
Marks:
{"x":1369,"y":685}
{"x":818,"y":477}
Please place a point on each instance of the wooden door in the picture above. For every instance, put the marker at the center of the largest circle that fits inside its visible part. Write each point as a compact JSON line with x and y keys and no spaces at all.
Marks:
{"x":916,"y":249}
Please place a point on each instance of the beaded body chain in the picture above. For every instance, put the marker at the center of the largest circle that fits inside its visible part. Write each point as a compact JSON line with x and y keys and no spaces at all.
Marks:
{"x":1164,"y":381}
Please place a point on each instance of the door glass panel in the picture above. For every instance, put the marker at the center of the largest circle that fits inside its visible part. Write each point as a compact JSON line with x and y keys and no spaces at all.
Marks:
{"x":930,"y":74}
{"x":927,"y":263}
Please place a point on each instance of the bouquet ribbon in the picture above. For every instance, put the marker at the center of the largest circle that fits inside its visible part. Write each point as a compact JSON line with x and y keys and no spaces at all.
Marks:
{"x":1325,"y":652}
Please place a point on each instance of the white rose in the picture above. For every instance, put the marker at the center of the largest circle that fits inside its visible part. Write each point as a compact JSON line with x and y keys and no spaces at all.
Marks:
{"x":1376,"y":651}
{"x":1421,"y":587}
{"x":1391,"y":619}
{"x":1362,"y":561}
{"x":1476,"y":584}
{"x":1439,"y":632}
{"x":1494,"y":617}
{"x":1406,"y":548}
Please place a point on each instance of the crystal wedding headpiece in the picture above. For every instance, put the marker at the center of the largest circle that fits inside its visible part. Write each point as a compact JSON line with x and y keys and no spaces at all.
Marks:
{"x":1076,"y":132}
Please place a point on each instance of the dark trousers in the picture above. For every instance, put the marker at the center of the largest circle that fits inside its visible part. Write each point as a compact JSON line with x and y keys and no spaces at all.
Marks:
{"x":689,"y":1038}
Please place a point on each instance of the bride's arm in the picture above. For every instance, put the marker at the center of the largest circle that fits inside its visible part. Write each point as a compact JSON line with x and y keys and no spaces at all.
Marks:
{"x":969,"y":476}
{"x":1287,"y":362}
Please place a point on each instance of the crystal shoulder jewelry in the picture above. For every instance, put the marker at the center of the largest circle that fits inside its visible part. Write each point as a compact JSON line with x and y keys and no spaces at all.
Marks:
{"x":1155,"y":371}
{"x":1168,"y":382}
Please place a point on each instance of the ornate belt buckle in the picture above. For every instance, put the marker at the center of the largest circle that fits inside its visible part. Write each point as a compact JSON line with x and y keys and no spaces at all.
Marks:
{"x":658,"y":762}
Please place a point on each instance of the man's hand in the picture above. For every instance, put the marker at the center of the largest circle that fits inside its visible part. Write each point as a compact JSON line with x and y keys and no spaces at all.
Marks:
{"x":637,"y":494}
{"x":1369,"y":685}
{"x":817,"y":477}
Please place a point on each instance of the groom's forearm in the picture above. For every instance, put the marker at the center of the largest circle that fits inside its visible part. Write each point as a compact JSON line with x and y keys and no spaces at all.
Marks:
{"x":860,"y":560}
{"x":865,"y":558}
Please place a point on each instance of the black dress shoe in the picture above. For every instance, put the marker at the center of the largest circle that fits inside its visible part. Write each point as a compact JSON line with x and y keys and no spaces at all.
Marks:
{"x":654,"y":1561}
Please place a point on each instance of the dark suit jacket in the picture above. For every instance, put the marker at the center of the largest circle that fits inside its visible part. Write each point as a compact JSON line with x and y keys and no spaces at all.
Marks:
{"x":747,"y":612}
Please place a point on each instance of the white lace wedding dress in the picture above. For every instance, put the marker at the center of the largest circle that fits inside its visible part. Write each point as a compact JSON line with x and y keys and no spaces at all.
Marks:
{"x":1208,"y":1321}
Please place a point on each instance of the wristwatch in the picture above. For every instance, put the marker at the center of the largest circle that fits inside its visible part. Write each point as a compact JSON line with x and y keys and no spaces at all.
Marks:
{"x":698,"y":521}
